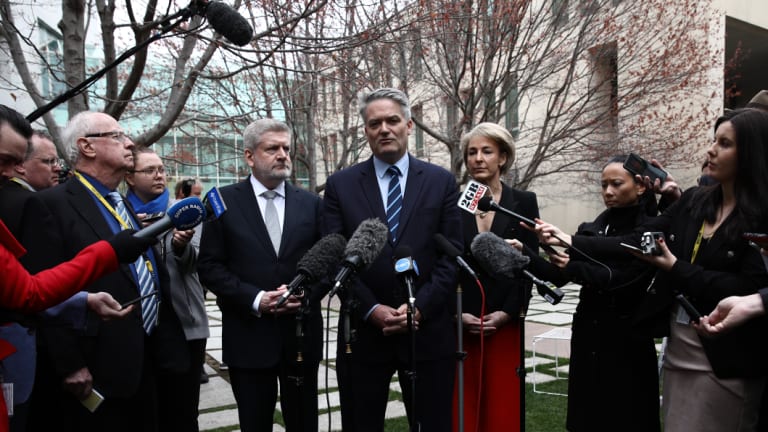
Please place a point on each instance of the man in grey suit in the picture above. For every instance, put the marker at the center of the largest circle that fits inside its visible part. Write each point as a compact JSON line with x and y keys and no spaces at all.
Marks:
{"x":246,"y":258}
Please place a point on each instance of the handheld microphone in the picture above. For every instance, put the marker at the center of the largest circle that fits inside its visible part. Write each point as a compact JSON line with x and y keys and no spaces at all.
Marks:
{"x":487,"y":203}
{"x":229,"y":23}
{"x":362,"y":249}
{"x":446,"y":247}
{"x":546,"y":289}
{"x":214,"y":203}
{"x":325,"y":253}
{"x":498,"y":258}
{"x":183,"y":215}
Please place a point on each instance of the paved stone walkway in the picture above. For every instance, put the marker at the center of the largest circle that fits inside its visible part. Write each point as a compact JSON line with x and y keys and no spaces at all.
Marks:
{"x":548,"y":324}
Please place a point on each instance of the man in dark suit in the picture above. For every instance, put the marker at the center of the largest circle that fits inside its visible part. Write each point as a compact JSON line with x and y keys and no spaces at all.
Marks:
{"x":246,"y":258}
{"x":114,"y":358}
{"x":428,"y":206}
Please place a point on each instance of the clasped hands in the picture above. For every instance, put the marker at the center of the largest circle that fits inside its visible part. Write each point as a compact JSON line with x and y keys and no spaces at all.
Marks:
{"x":394,"y":321}
{"x":268,"y":302}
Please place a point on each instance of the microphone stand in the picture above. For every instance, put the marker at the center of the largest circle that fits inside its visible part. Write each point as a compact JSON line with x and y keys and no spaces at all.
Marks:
{"x":521,"y":372}
{"x":410,"y":308}
{"x":461,"y":355}
{"x":299,"y":378}
{"x":166,"y":25}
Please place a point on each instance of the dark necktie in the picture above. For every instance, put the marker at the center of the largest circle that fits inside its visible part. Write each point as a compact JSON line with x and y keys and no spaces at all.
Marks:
{"x":394,"y":201}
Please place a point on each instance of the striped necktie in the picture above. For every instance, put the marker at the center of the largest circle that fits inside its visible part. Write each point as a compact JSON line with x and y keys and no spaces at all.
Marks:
{"x":394,"y":201}
{"x":149,"y":305}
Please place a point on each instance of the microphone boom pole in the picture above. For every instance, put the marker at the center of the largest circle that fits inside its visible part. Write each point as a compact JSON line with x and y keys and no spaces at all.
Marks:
{"x":166,"y":26}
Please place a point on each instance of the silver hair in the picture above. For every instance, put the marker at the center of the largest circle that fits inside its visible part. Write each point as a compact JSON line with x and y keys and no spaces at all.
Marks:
{"x":76,"y":127}
{"x":386,"y":93}
{"x":254,"y":131}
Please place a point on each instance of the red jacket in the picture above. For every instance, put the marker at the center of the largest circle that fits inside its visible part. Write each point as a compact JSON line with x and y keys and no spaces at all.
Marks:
{"x":27,"y":293}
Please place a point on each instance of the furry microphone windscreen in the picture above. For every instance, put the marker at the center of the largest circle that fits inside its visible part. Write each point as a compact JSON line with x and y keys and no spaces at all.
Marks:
{"x":367,"y":241}
{"x":229,"y":23}
{"x":325,"y":253}
{"x":496,"y":257}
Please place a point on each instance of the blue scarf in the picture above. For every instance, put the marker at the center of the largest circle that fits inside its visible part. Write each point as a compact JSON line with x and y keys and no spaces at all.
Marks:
{"x":159,"y":204}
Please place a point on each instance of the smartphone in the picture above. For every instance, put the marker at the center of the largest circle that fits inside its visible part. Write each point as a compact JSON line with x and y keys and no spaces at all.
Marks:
{"x":639,"y":166}
{"x":137,"y":299}
{"x":152,"y":217}
{"x":760,"y":239}
{"x":93,"y":400}
{"x":630,"y":247}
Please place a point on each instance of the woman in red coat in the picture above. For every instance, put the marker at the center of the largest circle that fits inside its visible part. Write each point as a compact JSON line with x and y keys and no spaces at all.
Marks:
{"x":22,"y":292}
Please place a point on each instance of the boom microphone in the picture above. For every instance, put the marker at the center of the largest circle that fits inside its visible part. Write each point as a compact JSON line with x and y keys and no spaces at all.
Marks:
{"x":229,"y":23}
{"x":363,"y":248}
{"x":183,"y":215}
{"x":498,"y":258}
{"x":315,"y":262}
{"x":446,"y":247}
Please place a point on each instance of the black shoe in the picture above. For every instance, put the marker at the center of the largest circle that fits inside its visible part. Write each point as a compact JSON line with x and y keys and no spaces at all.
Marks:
{"x":203,"y":377}
{"x":223,"y":366}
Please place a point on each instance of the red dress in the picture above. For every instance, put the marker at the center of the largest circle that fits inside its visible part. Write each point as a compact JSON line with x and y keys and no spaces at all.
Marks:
{"x":499,"y":403}
{"x":23,"y":292}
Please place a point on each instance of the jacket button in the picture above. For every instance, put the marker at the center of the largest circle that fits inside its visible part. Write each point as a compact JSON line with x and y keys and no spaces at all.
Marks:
{"x":671,"y":237}
{"x":730,"y":254}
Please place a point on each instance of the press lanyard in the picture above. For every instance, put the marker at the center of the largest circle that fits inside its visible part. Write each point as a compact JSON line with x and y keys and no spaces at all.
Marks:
{"x":22,"y":183}
{"x":698,"y":243}
{"x":107,"y":205}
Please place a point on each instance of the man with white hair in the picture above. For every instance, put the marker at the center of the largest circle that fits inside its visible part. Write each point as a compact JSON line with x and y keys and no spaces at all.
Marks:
{"x":113,"y":360}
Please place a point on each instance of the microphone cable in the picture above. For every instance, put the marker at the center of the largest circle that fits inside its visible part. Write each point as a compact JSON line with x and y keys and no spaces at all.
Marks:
{"x":327,"y":360}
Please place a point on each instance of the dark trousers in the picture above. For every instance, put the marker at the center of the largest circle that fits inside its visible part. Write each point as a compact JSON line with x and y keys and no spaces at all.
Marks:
{"x":255,"y":391}
{"x":54,"y":409}
{"x":179,"y":393}
{"x":364,"y":393}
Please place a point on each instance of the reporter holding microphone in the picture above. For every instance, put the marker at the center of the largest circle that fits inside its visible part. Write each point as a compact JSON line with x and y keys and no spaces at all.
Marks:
{"x":710,"y":384}
{"x":613,"y":378}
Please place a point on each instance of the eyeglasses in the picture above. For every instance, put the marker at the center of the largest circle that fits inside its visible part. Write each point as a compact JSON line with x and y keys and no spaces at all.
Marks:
{"x":52,"y":162}
{"x":115,"y":135}
{"x":151,"y":171}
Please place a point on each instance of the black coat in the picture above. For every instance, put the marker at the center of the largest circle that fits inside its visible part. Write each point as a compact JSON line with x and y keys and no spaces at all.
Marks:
{"x":500,"y":294}
{"x":725,"y":266}
{"x":613,"y":380}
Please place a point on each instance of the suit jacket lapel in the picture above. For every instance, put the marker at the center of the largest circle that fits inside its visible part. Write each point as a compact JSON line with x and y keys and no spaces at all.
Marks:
{"x":249,"y":207}
{"x":413,"y":190}
{"x":292,"y":208}
{"x":501,"y":222}
{"x":370,"y":186}
{"x":83,"y":202}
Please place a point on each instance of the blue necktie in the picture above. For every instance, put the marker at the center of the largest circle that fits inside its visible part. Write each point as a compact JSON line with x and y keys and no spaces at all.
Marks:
{"x":149,"y":305}
{"x":394,"y":201}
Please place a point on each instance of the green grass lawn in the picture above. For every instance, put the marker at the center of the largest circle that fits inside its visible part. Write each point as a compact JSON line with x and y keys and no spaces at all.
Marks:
{"x":544,"y":412}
